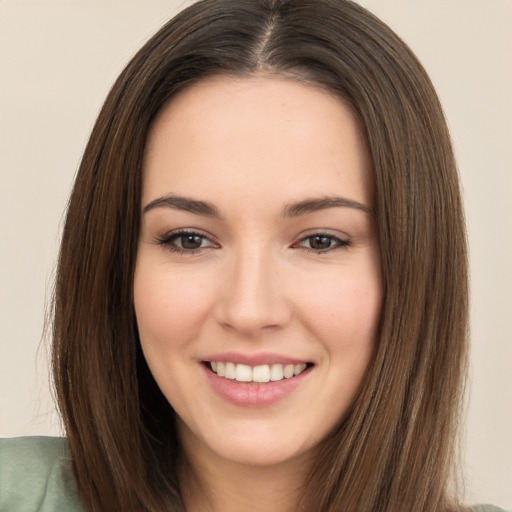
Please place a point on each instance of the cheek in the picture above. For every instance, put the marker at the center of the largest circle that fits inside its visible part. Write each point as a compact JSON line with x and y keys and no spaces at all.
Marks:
{"x":346,"y":310}
{"x":168,"y":308}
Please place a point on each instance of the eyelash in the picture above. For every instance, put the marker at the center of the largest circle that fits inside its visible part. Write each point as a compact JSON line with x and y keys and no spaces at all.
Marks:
{"x":168,"y":242}
{"x":337,"y":243}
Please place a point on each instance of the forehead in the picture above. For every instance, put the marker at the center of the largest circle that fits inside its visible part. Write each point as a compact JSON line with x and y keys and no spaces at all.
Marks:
{"x":256,"y":131}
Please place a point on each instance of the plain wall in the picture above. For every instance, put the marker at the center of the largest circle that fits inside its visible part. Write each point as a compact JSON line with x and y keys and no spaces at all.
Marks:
{"x":58,"y":59}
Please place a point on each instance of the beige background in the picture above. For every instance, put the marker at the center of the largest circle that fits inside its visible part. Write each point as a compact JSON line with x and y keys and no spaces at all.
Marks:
{"x":58,"y":59}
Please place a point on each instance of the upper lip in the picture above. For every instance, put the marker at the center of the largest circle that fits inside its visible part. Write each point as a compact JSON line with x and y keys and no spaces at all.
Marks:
{"x":255,"y":359}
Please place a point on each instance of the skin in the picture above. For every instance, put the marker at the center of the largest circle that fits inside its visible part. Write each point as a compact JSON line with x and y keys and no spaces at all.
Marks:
{"x":251,"y":147}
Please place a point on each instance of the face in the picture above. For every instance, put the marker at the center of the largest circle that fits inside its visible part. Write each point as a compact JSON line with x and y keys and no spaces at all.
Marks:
{"x":257,"y":285}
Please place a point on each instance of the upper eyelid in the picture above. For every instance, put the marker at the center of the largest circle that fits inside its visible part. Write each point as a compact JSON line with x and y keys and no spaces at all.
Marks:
{"x":324,"y":232}
{"x":326,"y":235}
{"x":168,"y":241}
{"x":339,"y":241}
{"x":186,"y":231}
{"x":175,"y":233}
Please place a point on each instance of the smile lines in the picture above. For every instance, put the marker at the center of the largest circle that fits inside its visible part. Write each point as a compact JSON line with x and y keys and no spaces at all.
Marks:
{"x":260,"y":374}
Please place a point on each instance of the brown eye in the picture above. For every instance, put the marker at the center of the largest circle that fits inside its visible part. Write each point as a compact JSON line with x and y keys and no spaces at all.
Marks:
{"x":184,"y":241}
{"x":190,"y":241}
{"x":320,"y":242}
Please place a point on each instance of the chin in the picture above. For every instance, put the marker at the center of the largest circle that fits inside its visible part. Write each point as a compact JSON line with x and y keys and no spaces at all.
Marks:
{"x":259,"y":446}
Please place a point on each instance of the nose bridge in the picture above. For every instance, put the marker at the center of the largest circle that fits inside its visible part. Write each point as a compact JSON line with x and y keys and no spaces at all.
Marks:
{"x":253,"y":298}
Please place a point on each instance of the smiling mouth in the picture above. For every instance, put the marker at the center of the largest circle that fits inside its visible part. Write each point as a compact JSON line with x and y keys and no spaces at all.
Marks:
{"x":259,"y":374}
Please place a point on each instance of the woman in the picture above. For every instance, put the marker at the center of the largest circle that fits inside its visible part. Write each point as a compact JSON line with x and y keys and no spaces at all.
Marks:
{"x":261,"y":299}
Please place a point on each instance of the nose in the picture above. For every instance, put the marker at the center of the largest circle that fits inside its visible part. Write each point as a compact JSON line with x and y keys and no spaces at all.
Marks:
{"x":253,"y":300}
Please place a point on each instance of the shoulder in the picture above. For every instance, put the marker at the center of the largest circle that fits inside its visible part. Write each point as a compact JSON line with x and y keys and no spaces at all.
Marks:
{"x":485,"y":508}
{"x":36,"y":474}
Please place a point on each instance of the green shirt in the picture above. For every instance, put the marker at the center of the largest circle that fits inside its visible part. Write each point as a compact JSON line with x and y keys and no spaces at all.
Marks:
{"x":36,"y":476}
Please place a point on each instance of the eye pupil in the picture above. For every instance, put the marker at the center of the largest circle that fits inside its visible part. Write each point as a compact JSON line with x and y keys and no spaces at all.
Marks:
{"x":191,"y":241}
{"x":320,"y":242}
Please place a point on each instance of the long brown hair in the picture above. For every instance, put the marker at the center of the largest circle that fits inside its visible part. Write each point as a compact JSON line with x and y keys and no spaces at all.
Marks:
{"x":393,"y":450}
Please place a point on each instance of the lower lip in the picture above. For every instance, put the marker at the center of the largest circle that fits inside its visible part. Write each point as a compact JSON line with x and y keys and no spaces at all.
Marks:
{"x":251,"y":394}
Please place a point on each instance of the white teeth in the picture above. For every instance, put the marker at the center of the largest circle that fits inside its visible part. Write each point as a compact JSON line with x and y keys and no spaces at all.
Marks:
{"x":288,"y":371}
{"x":243,"y":373}
{"x":276,"y":372}
{"x":298,"y":368}
{"x":261,"y":374}
{"x":230,"y":371}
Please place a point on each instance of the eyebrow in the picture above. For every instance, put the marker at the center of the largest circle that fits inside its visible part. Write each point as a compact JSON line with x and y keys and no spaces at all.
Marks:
{"x":291,"y":210}
{"x":184,"y":203}
{"x":323,"y":203}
